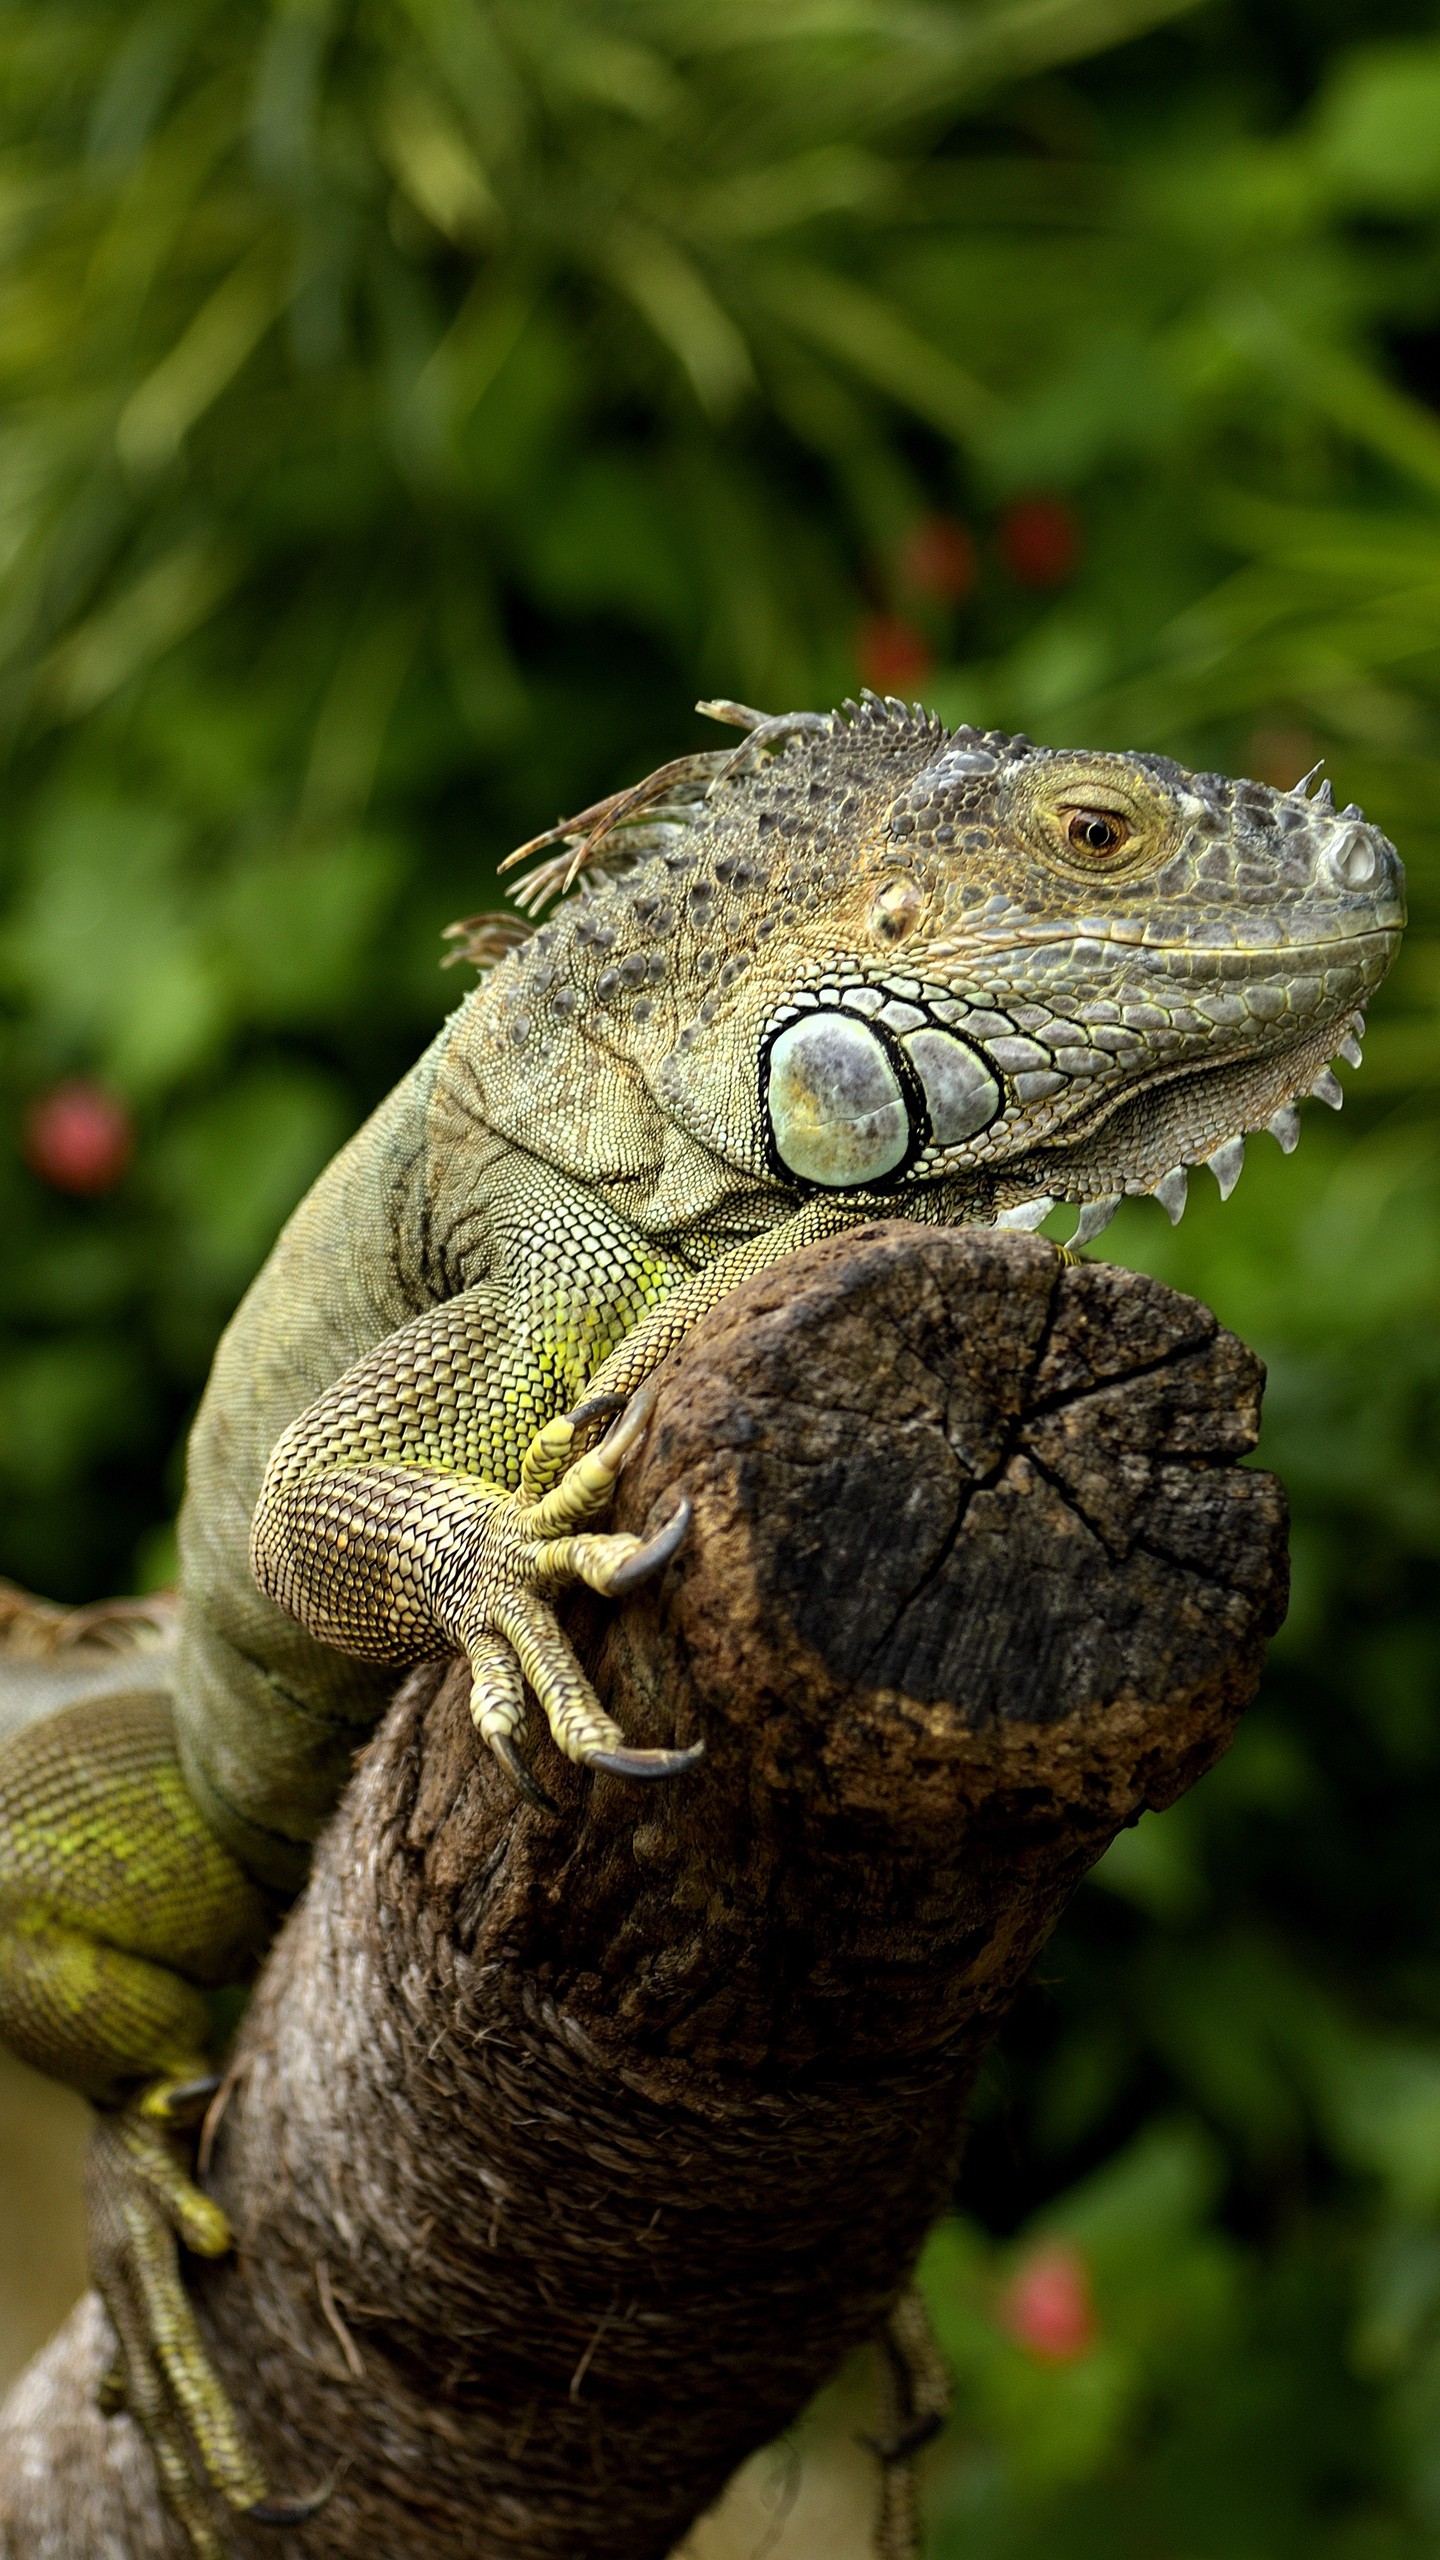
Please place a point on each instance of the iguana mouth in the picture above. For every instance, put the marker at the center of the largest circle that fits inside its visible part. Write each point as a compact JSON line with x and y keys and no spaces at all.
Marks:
{"x":1252,"y":1110}
{"x":1047,"y":937}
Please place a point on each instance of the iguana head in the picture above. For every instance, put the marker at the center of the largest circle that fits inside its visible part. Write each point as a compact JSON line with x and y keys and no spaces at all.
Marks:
{"x":867,"y":955}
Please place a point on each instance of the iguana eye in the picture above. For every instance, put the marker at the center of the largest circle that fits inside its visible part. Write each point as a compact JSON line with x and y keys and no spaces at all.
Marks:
{"x":1096,"y":832}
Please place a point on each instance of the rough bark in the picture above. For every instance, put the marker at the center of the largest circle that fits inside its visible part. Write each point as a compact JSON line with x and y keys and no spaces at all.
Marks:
{"x":571,"y":2155}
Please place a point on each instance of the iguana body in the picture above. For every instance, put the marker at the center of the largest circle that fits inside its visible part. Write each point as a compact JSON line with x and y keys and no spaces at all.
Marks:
{"x":859,"y":964}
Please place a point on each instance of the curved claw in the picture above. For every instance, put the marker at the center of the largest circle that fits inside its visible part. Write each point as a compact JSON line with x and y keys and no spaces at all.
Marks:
{"x":645,"y":1764}
{"x":283,"y":2511}
{"x":907,"y":2441}
{"x":179,"y":2103}
{"x":601,"y":1408}
{"x":525,"y":1783}
{"x":110,"y":2389}
{"x":626,"y":1433}
{"x":649,"y":1558}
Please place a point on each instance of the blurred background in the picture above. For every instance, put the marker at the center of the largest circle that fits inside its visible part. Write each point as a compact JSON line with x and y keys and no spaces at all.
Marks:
{"x":406,"y":410}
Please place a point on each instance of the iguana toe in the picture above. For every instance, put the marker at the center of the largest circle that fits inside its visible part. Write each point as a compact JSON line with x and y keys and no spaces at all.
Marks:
{"x":142,"y":2201}
{"x":537,"y":1548}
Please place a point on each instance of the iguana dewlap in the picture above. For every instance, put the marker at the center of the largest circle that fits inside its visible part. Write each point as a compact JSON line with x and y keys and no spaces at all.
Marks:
{"x":857,"y":964}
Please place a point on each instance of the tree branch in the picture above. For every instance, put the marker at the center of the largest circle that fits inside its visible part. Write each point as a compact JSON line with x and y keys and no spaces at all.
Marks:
{"x":569,"y":2157}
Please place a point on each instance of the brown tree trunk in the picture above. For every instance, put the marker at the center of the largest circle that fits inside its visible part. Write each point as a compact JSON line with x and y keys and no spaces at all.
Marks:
{"x":571,"y":2155}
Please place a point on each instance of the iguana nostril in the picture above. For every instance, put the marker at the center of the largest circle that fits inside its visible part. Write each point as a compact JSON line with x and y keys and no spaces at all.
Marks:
{"x":1354,"y":858}
{"x":835,"y":1103}
{"x":960,"y":1092}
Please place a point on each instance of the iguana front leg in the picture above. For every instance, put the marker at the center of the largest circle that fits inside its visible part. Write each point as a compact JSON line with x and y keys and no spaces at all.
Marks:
{"x":427,"y":1501}
{"x":384,"y":1555}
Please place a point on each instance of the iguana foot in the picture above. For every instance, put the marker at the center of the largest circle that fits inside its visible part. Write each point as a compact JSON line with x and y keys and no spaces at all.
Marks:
{"x":141,"y":2201}
{"x":536,"y":1547}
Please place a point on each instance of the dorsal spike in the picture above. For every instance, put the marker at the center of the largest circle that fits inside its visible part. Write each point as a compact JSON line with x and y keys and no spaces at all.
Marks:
{"x":773,"y":733}
{"x":485,"y":939}
{"x":735,"y":715}
{"x":585,"y":835}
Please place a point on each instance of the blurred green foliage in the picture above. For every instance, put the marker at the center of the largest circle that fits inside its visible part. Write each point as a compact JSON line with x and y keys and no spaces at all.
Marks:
{"x":407,"y":409}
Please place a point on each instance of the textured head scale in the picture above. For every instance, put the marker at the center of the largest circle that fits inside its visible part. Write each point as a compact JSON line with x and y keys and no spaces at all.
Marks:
{"x":954,"y":973}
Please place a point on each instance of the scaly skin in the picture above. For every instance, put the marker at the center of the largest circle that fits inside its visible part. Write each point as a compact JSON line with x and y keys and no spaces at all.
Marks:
{"x":857,"y":965}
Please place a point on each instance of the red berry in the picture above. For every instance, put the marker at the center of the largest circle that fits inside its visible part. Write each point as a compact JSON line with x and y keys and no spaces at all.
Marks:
{"x":79,"y":1137}
{"x":1047,"y":2307}
{"x":1040,"y":540}
{"x":937,"y":559}
{"x":891,"y":653}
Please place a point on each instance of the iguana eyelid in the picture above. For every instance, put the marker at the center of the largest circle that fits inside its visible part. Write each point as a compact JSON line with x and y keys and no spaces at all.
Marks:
{"x":1093,"y":809}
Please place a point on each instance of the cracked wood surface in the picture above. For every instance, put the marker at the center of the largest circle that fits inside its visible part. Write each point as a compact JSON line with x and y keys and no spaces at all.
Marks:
{"x":571,"y":2155}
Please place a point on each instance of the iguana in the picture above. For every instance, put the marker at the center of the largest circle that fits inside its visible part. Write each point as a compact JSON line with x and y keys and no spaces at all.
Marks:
{"x":858,"y":961}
